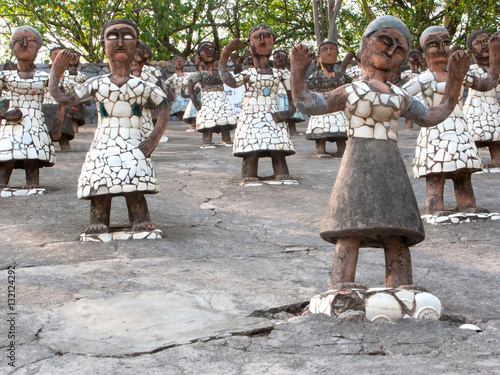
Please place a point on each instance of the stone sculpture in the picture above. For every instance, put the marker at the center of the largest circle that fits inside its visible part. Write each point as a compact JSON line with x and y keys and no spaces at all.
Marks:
{"x":331,"y":127}
{"x":372,"y":202}
{"x":24,"y":137}
{"x":446,"y":151}
{"x":190,"y":113}
{"x":481,"y":109}
{"x":175,"y":83}
{"x":261,"y":129}
{"x":118,"y":162}
{"x":215,"y":113}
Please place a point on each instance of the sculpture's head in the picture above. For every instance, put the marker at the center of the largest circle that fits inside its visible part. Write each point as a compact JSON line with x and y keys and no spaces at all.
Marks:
{"x":25,"y":43}
{"x":141,"y":57}
{"x":328,"y":52}
{"x":478,"y":43}
{"x":385,"y":44}
{"x":206,"y":51}
{"x":261,"y":40}
{"x":54,"y":51}
{"x":280,"y":58}
{"x":179,"y":62}
{"x":414,"y":59}
{"x":119,"y":39}
{"x":435,"y":42}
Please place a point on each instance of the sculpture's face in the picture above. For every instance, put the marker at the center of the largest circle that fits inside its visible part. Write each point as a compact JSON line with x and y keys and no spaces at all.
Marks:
{"x":414,"y":62}
{"x":25,"y":45}
{"x":384,"y":50}
{"x":179,"y":64}
{"x":207,"y":53}
{"x":261,"y":43}
{"x":120,"y":42}
{"x":328,"y":54}
{"x":437,"y":47}
{"x":280,"y":59}
{"x":423,"y":63}
{"x":481,"y":46}
{"x":138,"y":63}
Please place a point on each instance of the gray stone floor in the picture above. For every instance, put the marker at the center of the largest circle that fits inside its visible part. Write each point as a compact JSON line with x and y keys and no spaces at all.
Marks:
{"x":239,"y":252}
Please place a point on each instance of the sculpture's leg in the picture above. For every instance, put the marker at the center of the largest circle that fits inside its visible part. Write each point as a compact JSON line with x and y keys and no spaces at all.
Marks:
{"x":344,"y":261}
{"x":64,"y":143}
{"x":321,"y":149}
{"x":226,"y":136}
{"x":138,"y":212}
{"x":75,"y":126}
{"x":340,"y":147}
{"x":408,"y":125}
{"x":250,"y":167}
{"x":192,"y":125}
{"x":464,"y":194}
{"x":434,"y":193}
{"x":207,"y":136}
{"x":397,"y":263}
{"x":292,"y":128}
{"x":179,"y":116}
{"x":280,"y":168}
{"x":495,"y":154}
{"x":100,"y":208}
{"x":32,"y":169}
{"x":6,"y":168}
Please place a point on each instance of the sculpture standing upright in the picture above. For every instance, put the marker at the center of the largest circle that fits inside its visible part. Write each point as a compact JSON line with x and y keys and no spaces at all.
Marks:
{"x":261,"y":129}
{"x":118,"y":162}
{"x":175,"y":83}
{"x":24,"y":138}
{"x":372,"y":203}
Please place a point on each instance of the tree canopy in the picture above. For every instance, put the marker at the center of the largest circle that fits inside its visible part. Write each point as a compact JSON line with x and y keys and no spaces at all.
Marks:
{"x":176,"y":27}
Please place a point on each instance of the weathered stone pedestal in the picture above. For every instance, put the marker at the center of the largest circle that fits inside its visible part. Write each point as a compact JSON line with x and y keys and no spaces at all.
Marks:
{"x":121,"y":234}
{"x":20,"y":192}
{"x":377,"y":304}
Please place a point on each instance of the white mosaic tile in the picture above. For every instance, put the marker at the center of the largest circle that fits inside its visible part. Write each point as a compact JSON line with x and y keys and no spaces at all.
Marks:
{"x":20,"y":192}
{"x":176,"y":82}
{"x":122,"y":236}
{"x":459,"y":218}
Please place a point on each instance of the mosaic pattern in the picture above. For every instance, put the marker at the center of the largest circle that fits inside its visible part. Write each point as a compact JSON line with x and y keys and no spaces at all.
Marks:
{"x":12,"y":192}
{"x":482,"y":111}
{"x":180,"y":103}
{"x":190,"y":113}
{"x":284,"y":104}
{"x":152,"y":70}
{"x":448,"y":146}
{"x":121,"y":235}
{"x":355,"y":73}
{"x":378,"y":304}
{"x":459,"y":218}
{"x":409,"y":74}
{"x":70,"y":81}
{"x":256,"y":129}
{"x":114,"y":164}
{"x":147,"y":122}
{"x":216,"y":111}
{"x":331,"y":125}
{"x":28,"y":139}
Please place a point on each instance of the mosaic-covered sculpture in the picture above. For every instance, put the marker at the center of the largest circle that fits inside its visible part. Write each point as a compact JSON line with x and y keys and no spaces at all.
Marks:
{"x":190,"y":113}
{"x":331,"y":127}
{"x":149,"y":112}
{"x":414,"y":61}
{"x":372,"y":202}
{"x":261,"y":130}
{"x":446,"y":151}
{"x":215,"y":113}
{"x":24,"y":137}
{"x":482,"y":109}
{"x":175,"y":83}
{"x":118,"y":162}
{"x":280,"y":61}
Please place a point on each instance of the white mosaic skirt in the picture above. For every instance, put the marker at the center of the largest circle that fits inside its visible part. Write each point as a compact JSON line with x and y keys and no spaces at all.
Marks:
{"x":446,"y":147}
{"x":483,"y":119}
{"x":257,"y":131}
{"x":28,"y":139}
{"x":331,"y":125}
{"x":283,"y":103}
{"x":114,"y":164}
{"x":190,"y":113}
{"x":216,"y":111}
{"x":179,"y":105}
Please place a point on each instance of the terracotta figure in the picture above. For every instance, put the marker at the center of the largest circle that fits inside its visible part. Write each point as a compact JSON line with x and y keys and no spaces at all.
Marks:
{"x":190,"y":113}
{"x":175,"y":82}
{"x":372,"y":203}
{"x":72,"y":78}
{"x":261,"y":129}
{"x":118,"y":162}
{"x":24,"y":138}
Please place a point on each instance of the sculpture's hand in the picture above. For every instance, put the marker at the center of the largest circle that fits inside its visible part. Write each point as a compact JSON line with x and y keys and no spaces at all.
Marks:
{"x":197,"y":104}
{"x":14,"y":115}
{"x":300,"y":59}
{"x":281,"y":116}
{"x":63,"y":58}
{"x":454,"y":49}
{"x":72,"y":112}
{"x":495,"y":50}
{"x":234,"y":45}
{"x":458,"y":65}
{"x":148,"y":146}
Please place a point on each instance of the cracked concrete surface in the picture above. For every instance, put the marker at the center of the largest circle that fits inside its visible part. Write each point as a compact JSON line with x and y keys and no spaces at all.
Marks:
{"x":247,"y":251}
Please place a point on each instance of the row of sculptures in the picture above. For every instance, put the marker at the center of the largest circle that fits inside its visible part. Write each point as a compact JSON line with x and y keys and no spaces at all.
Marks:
{"x":372,"y":202}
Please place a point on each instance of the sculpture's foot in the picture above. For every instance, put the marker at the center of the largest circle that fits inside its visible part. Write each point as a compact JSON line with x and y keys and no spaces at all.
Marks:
{"x":65,"y":146}
{"x":324,"y":156}
{"x":348,"y":285}
{"x":96,"y":229}
{"x":337,"y":155}
{"x":30,"y":187}
{"x":412,"y":287}
{"x":143,"y":227}
{"x":226,"y":144}
{"x":250,"y":181}
{"x":208,"y":145}
{"x":473,"y":210}
{"x":441,"y":212}
{"x":190,"y":130}
{"x":3,"y":186}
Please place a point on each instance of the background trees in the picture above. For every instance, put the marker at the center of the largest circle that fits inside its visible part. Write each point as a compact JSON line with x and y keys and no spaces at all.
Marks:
{"x":175,"y":27}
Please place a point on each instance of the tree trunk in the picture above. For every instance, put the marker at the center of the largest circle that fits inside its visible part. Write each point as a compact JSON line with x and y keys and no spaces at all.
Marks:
{"x":333,"y":12}
{"x":317,"y":23}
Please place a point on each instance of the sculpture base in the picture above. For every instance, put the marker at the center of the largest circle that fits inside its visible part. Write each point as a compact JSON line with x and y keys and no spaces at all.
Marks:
{"x":489,"y":170}
{"x":20,"y":192}
{"x":377,"y":304}
{"x":281,"y":182}
{"x":457,"y":218}
{"x":120,"y":234}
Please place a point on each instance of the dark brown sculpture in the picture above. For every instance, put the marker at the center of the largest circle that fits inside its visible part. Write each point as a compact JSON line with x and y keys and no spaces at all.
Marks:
{"x":118,"y":162}
{"x":372,"y":203}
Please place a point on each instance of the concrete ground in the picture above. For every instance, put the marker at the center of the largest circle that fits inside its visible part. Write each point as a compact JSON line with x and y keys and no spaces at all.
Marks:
{"x":232,"y":252}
